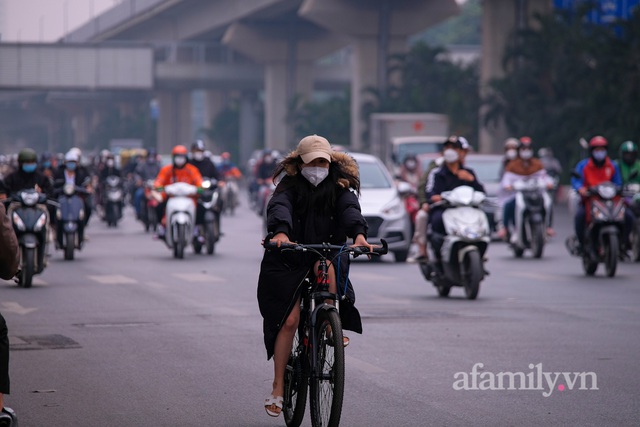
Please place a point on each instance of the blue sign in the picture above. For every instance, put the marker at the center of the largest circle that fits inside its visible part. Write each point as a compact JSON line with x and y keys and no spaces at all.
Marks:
{"x":606,"y":11}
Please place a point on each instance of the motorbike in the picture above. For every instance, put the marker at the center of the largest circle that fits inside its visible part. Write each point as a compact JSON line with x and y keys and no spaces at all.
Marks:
{"x":532,"y":215}
{"x":209,"y":208}
{"x":180,"y":214}
{"x":151,"y":201}
{"x":605,"y":222}
{"x":230,"y":196}
{"x":632,"y":198}
{"x":69,"y":215}
{"x":30,"y":220}
{"x":460,"y":261}
{"x":113,"y":200}
{"x":264,"y":194}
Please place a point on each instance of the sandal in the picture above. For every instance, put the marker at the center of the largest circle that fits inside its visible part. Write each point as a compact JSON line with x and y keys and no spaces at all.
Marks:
{"x":273,"y":401}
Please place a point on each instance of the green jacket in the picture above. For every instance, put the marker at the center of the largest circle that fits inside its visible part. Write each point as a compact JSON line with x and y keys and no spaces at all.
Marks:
{"x":627,"y":170}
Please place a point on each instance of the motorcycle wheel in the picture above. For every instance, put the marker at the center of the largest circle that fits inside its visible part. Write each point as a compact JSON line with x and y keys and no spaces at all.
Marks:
{"x":474,"y":272}
{"x":179,"y":242}
{"x":69,"y":246}
{"x":537,"y":240}
{"x":611,"y":247}
{"x":197,"y":246}
{"x":210,"y":237}
{"x":518,"y":252}
{"x":635,"y":244}
{"x":443,"y":290}
{"x":28,"y":267}
{"x":588,"y":265}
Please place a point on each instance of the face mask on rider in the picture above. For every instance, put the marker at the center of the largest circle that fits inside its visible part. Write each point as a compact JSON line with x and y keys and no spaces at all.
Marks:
{"x":111,"y":163}
{"x":315,"y":175}
{"x":526,"y":154}
{"x":198,"y":156}
{"x":70,"y":166}
{"x":29,"y":167}
{"x":511,"y":153}
{"x":450,"y":155}
{"x":410,"y":164}
{"x":599,"y":155}
{"x":179,"y":161}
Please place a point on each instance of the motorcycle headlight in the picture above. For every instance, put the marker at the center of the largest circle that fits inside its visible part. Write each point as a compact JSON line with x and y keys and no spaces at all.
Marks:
{"x":69,"y":189}
{"x":29,"y":199}
{"x":599,"y":211}
{"x":42,"y":220}
{"x":393,"y":208}
{"x":17,"y":221}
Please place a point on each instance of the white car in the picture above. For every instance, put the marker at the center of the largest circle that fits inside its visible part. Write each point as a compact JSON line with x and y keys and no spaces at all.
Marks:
{"x":382,"y":206}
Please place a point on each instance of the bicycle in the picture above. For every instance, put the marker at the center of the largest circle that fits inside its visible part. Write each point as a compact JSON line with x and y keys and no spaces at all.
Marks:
{"x":315,"y":360}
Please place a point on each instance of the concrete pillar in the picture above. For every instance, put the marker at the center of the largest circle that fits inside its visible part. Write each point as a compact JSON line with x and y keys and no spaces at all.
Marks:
{"x":174,"y":121}
{"x":249,"y":127}
{"x":500,"y":18}
{"x":80,"y":124}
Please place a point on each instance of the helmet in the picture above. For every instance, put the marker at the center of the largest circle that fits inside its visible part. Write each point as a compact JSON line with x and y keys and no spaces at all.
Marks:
{"x":198,"y":145}
{"x":598,"y":141}
{"x":27,"y":155}
{"x":544,"y":152}
{"x":628,"y":147}
{"x":225,"y":155}
{"x":71,"y":156}
{"x":77,"y":151}
{"x":511,"y":143}
{"x":179,"y":150}
{"x":525,"y":141}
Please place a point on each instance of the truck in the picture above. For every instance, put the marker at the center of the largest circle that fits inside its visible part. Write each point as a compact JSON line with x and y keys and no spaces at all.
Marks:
{"x":395,"y":135}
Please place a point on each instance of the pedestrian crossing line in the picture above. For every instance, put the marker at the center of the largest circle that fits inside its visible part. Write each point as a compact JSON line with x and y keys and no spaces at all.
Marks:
{"x":197,"y":277}
{"x":113,"y":279}
{"x":363,"y":366}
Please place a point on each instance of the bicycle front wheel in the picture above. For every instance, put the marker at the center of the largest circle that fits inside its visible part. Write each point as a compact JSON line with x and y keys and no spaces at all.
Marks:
{"x":295,"y":386}
{"x":327,"y":379}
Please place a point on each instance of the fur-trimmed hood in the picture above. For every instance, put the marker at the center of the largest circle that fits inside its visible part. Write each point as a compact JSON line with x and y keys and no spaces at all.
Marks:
{"x":345,"y":163}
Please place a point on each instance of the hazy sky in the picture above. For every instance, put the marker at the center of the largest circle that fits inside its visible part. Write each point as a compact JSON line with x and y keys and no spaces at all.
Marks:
{"x":44,"y":20}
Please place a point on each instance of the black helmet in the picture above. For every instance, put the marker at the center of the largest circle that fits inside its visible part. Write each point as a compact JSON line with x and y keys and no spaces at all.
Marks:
{"x":198,"y":145}
{"x":27,"y":155}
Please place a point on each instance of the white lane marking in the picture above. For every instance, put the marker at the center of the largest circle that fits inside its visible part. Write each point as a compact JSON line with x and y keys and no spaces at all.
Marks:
{"x":363,"y":366}
{"x":14,"y":307}
{"x":39,"y":282}
{"x":113,"y":279}
{"x":197,"y":277}
{"x":538,"y":276}
{"x":155,"y":285}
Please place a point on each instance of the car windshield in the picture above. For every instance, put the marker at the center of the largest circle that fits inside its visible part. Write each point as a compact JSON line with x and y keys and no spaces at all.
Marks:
{"x":485,"y":170}
{"x":372,"y":176}
{"x":416,"y":148}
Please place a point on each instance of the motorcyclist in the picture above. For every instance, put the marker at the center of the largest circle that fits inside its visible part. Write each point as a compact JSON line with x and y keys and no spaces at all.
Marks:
{"x":204,"y":164}
{"x":228,"y":169}
{"x":510,"y":152}
{"x":47,"y":165}
{"x":524,"y":166}
{"x":410,"y":171}
{"x":449,"y":176}
{"x":109,"y":169}
{"x":629,"y":163}
{"x":550,"y":163}
{"x":146,"y":170}
{"x":72,"y":172}
{"x":596,"y":169}
{"x":178,"y":171}
{"x":26,"y":176}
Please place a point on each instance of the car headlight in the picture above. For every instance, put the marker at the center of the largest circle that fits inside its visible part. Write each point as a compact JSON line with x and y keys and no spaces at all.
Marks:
{"x":17,"y":221}
{"x":393,"y":208}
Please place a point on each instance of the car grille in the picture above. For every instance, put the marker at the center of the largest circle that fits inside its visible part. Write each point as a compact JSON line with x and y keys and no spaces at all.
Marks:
{"x":374,"y":225}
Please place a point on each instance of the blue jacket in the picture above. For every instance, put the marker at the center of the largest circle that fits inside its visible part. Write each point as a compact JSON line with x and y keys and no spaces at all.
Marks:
{"x":578,"y":183}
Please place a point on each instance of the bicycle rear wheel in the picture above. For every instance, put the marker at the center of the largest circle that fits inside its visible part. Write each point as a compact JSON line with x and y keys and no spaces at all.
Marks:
{"x":295,"y":385}
{"x":327,"y":382}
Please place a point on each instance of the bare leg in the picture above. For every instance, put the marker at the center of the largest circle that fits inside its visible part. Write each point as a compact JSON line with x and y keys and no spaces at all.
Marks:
{"x":282,"y":350}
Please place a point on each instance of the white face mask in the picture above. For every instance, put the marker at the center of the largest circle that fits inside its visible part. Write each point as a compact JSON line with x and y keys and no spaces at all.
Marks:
{"x":511,"y":153}
{"x":599,"y":155}
{"x":410,"y":164}
{"x":198,"y":156}
{"x":450,"y":155}
{"x":315,"y":175}
{"x":179,"y":160}
{"x":110,"y":163}
{"x":526,"y":154}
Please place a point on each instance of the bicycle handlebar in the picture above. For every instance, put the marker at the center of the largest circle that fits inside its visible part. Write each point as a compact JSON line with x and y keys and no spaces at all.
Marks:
{"x":326,"y":247}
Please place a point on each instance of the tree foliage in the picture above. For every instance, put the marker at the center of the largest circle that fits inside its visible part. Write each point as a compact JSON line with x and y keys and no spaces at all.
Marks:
{"x":428,"y":82}
{"x":330,"y":118}
{"x":461,"y":29}
{"x":568,"y":78}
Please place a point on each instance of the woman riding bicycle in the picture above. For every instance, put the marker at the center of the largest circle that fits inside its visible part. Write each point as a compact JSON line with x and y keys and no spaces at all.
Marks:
{"x":312,"y":203}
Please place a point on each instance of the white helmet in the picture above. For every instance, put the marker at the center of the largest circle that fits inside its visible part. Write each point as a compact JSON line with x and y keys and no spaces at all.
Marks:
{"x":71,"y":156}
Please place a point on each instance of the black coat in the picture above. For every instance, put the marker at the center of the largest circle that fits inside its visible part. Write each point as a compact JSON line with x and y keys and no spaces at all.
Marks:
{"x":281,"y":274}
{"x":20,"y":180}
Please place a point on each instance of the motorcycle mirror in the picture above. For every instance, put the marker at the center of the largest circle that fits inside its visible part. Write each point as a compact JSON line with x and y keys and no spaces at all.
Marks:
{"x":633,"y":175}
